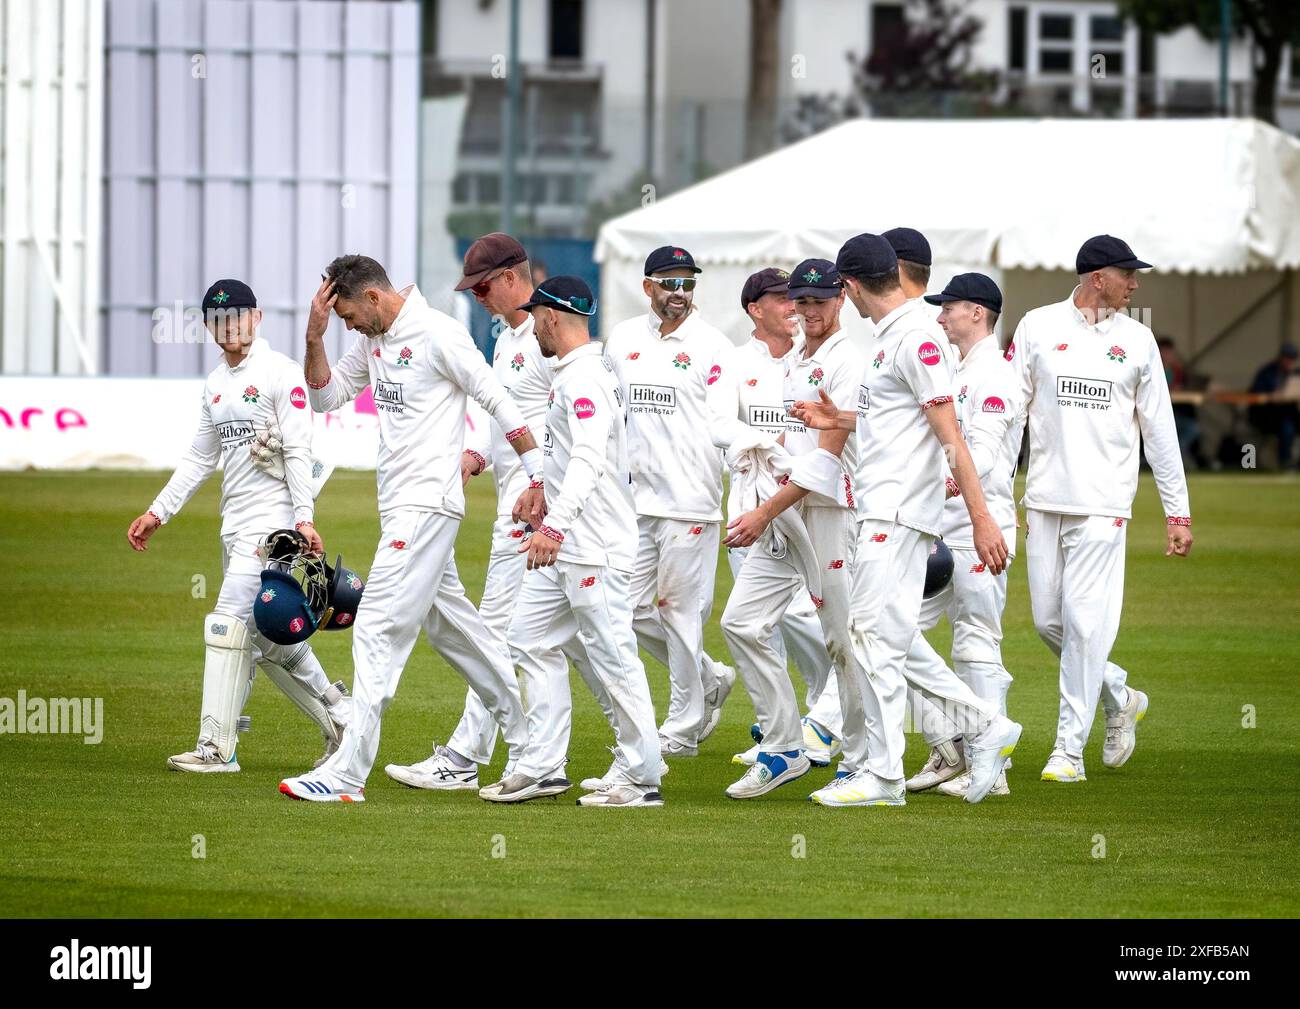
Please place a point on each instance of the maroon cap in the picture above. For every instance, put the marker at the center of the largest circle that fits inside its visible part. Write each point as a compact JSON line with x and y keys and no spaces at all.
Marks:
{"x":488,"y":256}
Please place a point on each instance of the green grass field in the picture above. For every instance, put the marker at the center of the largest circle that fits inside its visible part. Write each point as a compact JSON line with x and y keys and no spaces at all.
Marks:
{"x":1201,"y":822}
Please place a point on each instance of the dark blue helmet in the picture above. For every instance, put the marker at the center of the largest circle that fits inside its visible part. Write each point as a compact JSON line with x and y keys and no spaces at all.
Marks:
{"x":938,"y":569}
{"x":345,"y":588}
{"x":294,"y":596}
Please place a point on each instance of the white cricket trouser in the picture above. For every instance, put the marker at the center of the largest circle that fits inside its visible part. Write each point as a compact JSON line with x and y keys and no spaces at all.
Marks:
{"x":293,"y":668}
{"x":587,"y":609}
{"x":672,"y":590}
{"x":413,"y":584}
{"x":888,"y":584}
{"x":798,"y":636}
{"x":476,"y":733}
{"x":759,"y":600}
{"x":973,"y":602}
{"x":1076,"y":591}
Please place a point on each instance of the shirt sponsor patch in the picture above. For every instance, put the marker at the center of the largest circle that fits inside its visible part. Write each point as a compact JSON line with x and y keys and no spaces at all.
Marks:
{"x":767,"y":417}
{"x":388,"y":396}
{"x":235,"y":433}
{"x":1011,"y":351}
{"x":864,"y":399}
{"x":584,"y":408}
{"x":928,"y":353}
{"x":298,"y":397}
{"x":1092,"y":393}
{"x":652,"y":398}
{"x":715,"y":373}
{"x":993,"y":404}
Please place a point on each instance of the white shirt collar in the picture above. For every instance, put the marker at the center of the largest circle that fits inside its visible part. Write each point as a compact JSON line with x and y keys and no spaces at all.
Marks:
{"x":254,"y":349}
{"x":898,"y":313}
{"x":590,"y":349}
{"x":655,"y":324}
{"x":1102,"y":325}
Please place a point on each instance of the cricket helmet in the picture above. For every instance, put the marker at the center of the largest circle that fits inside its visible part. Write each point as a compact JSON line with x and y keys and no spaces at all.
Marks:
{"x":345,"y":588}
{"x":294,"y":596}
{"x":938,"y":569}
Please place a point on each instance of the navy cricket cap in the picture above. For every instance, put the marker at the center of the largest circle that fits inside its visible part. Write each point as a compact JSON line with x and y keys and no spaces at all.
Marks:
{"x":228,"y":294}
{"x":815,"y":278}
{"x":768,"y":281}
{"x":1106,"y":250}
{"x":566,"y":294}
{"x":973,"y":287}
{"x":670,"y":257}
{"x":909,"y":244}
{"x":867,"y":256}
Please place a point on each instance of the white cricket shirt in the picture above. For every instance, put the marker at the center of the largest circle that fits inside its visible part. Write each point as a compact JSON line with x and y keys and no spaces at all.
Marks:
{"x":675,"y":391}
{"x":588,"y":495}
{"x":421,"y":372}
{"x":902,"y":461}
{"x":1094,"y":392}
{"x":519,"y":365}
{"x":836,"y":366}
{"x":265,"y":388}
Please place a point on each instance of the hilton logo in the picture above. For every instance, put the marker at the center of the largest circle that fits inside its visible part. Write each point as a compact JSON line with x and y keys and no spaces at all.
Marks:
{"x":1081,"y":391}
{"x":389,"y":395}
{"x":767,"y":417}
{"x":235,"y":432}
{"x":663,"y":396}
{"x":864,"y":399}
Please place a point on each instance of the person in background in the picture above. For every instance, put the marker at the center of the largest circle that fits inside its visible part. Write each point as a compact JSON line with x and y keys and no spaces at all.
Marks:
{"x":1277,"y":418}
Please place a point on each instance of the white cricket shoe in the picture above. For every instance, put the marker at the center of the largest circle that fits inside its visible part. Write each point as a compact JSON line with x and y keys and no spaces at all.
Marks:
{"x":861,"y":788}
{"x":623,"y":796}
{"x":317,"y":788}
{"x":203,"y":759}
{"x":1121,"y":730}
{"x":615,"y":773}
{"x":520,"y":787}
{"x":338,"y":706}
{"x":439,"y":773}
{"x":717,"y":697}
{"x":958,"y":786}
{"x":769,"y":771}
{"x":946,"y":761}
{"x":986,"y":754}
{"x":1063,"y":768}
{"x":747,"y":758}
{"x":672,"y":748}
{"x":819,"y":746}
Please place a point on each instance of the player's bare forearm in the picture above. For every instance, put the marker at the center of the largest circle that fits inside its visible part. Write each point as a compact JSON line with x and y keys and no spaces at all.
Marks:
{"x":746,"y":530}
{"x":823,"y":415}
{"x":316,"y":365}
{"x":524,"y":442}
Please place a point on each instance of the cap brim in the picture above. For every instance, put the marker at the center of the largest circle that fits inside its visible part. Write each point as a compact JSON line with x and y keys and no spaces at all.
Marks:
{"x":939,"y":299}
{"x":470,"y":280}
{"x":559,"y":306}
{"x":1132,"y":264}
{"x":820,"y":293}
{"x":673,"y":266}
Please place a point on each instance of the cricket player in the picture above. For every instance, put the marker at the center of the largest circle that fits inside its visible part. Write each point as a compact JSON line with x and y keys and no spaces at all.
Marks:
{"x":422,"y":366}
{"x":253,"y":389}
{"x":992,"y":422}
{"x":758,"y":381}
{"x":497,"y":273}
{"x":672,"y":367}
{"x":580,"y":562}
{"x":822,"y":492}
{"x":905,"y":424}
{"x":1094,"y":387}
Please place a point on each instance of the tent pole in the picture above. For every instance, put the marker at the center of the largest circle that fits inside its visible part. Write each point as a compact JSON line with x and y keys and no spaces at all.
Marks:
{"x":1250,"y":310}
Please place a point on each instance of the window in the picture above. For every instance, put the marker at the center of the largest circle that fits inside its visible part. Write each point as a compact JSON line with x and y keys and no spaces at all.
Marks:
{"x":1294,"y":77}
{"x":566,"y":30}
{"x":1113,"y":65}
{"x":460,"y":189}
{"x":1147,"y":53}
{"x":1054,"y":61}
{"x":1106,"y":28}
{"x":489,"y":187}
{"x":1017,"y":40}
{"x":888,"y":27}
{"x":1057,"y":27}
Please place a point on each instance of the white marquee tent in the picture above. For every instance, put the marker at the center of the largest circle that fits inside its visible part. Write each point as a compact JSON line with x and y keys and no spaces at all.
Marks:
{"x":1213,"y":203}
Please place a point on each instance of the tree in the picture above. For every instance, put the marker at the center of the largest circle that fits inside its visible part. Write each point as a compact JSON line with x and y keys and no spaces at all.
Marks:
{"x":1271,"y":25}
{"x":764,"y":72}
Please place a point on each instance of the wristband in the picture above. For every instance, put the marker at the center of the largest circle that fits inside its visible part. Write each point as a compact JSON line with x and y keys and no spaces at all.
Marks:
{"x":304,"y":522}
{"x":536,"y":484}
{"x":155,"y":515}
{"x":1179,"y":520}
{"x":953,"y":489}
{"x":517,"y":433}
{"x":552,"y":534}
{"x":482,"y":463}
{"x":533,"y":461}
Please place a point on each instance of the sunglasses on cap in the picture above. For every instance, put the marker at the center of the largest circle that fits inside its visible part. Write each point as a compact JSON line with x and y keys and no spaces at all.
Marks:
{"x":580,"y":305}
{"x":674,"y":283}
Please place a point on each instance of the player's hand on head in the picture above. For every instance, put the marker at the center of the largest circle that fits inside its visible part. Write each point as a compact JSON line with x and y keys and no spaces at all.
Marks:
{"x":141,"y":529}
{"x":1180,"y":541}
{"x":322,"y":303}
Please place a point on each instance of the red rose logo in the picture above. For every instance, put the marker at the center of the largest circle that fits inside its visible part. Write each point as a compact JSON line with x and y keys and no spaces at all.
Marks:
{"x":816,"y":376}
{"x":835,"y":565}
{"x":296,"y":624}
{"x":994,"y":405}
{"x":404,"y":358}
{"x":377,"y":354}
{"x":216,"y":399}
{"x":878,"y":360}
{"x":584,"y":408}
{"x":251,"y":394}
{"x":1116,"y":353}
{"x":298,"y":397}
{"x":682,"y":360}
{"x":588,"y":582}
{"x":928,"y":352}
{"x":267,"y":596}
{"x":517,"y":362}
{"x":715,"y":373}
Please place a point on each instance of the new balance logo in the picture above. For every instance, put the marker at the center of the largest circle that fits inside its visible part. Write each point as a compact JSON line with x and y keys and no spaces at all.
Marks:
{"x":588,"y":582}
